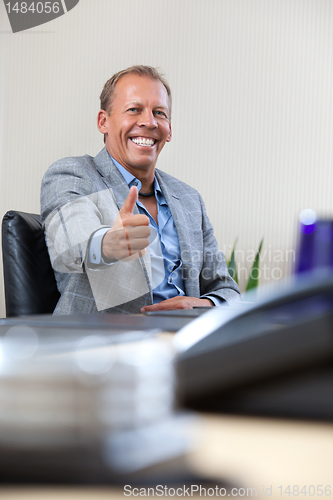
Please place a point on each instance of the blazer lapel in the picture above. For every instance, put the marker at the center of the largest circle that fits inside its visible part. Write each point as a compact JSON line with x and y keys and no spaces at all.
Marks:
{"x":118,"y":187}
{"x":112,"y":178}
{"x":184,"y":225}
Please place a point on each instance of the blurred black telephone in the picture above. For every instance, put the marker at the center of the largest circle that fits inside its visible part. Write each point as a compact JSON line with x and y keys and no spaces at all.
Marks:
{"x":274,"y":357}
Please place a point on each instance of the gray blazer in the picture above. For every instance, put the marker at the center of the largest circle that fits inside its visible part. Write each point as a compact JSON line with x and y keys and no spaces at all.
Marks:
{"x":81,"y":194}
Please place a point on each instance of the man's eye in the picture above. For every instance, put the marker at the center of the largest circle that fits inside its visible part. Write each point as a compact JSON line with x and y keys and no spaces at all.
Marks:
{"x":133,"y":109}
{"x":160,"y":113}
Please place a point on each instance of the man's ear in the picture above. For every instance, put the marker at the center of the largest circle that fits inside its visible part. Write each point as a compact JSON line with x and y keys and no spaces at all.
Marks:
{"x":170,"y":134}
{"x":101,"y":119}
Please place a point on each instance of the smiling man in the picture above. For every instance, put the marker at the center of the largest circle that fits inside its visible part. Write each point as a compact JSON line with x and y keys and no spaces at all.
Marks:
{"x":122,"y":235}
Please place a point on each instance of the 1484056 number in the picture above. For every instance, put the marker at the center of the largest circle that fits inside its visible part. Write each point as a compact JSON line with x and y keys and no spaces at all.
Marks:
{"x":33,"y":7}
{"x":296,"y":490}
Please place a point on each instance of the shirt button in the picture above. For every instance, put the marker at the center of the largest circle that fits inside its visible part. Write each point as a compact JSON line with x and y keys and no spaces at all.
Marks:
{"x":94,"y":256}
{"x":135,"y":183}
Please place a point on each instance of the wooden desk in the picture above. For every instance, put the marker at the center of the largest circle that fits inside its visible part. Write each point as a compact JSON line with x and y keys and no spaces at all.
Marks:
{"x":252,"y":452}
{"x":249,"y":452}
{"x":266,"y":452}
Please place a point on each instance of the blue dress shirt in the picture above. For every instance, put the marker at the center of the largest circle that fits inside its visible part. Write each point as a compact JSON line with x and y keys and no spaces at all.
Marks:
{"x":167,"y":275}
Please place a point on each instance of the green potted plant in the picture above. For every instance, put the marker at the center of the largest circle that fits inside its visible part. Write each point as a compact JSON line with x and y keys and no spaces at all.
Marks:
{"x":253,"y":281}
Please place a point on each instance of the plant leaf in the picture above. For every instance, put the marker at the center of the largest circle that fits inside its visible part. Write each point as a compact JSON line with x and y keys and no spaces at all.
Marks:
{"x":253,"y":281}
{"x":231,"y":264}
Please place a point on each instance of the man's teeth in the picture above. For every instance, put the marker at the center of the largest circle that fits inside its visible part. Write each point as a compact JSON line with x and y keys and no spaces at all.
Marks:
{"x":143,"y":142}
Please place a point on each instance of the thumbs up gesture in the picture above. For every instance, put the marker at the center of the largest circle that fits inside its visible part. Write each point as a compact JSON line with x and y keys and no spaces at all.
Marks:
{"x":128,"y":237}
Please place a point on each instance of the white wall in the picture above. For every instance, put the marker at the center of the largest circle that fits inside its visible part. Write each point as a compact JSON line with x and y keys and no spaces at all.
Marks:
{"x":252,"y":83}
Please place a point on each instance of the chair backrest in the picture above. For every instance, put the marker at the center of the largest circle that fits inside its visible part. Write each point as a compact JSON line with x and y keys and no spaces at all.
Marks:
{"x":30,"y":285}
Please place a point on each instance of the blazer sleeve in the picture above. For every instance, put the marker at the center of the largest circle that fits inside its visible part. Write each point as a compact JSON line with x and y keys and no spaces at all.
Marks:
{"x":215,"y":279}
{"x":71,"y":213}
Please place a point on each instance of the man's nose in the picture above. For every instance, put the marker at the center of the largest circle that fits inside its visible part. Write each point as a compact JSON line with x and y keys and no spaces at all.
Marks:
{"x":148,"y":119}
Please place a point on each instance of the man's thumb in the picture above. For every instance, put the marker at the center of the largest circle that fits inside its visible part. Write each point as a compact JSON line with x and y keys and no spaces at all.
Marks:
{"x":129,"y":204}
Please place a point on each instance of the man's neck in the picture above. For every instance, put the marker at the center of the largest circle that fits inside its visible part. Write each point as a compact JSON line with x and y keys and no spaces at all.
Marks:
{"x":147,"y":184}
{"x":145,"y":176}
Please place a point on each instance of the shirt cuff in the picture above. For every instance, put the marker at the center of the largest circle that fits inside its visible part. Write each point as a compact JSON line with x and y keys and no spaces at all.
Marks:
{"x":95,"y":247}
{"x":216,"y":300}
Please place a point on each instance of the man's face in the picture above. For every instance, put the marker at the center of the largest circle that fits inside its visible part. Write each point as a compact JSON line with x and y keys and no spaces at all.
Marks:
{"x":139,"y":123}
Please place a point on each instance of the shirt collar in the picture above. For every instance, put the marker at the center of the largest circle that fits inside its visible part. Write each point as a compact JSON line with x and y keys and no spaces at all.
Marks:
{"x":131,"y":180}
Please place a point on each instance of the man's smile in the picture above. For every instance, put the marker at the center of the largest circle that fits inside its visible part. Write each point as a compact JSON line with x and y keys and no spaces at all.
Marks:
{"x":143,"y":141}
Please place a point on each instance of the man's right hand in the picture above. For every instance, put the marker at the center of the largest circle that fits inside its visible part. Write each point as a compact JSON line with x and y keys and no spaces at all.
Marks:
{"x":128,"y":237}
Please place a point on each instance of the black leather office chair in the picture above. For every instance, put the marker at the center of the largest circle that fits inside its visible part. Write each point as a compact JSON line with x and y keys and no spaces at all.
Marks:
{"x":30,"y":285}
